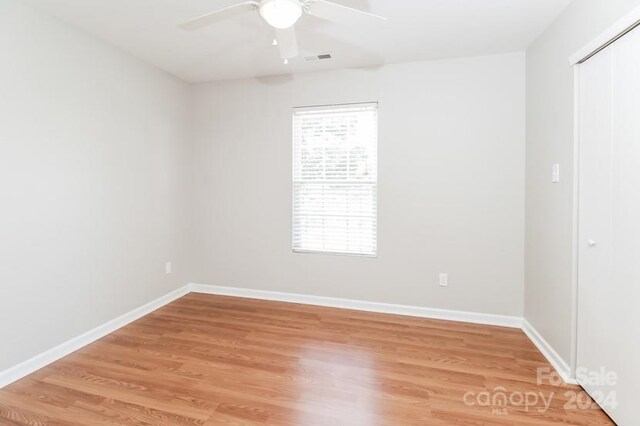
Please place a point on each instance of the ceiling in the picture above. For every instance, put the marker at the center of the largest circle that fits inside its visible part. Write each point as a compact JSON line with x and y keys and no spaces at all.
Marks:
{"x":241,"y":47}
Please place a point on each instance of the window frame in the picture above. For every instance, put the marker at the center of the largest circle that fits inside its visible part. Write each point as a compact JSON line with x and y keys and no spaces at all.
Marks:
{"x":293,"y":181}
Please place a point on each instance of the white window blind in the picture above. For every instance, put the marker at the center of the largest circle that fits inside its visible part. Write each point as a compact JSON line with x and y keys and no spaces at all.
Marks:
{"x":335,"y":167}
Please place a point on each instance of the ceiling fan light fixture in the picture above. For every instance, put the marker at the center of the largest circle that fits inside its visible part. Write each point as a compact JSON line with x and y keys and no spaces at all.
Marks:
{"x":281,"y":14}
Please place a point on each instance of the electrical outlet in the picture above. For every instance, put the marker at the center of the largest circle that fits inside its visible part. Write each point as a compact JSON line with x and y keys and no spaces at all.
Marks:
{"x":167,"y":268}
{"x":444,"y":279}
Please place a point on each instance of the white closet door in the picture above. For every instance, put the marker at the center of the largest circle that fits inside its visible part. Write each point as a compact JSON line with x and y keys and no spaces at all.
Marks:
{"x":625,"y":359}
{"x":609,"y":229}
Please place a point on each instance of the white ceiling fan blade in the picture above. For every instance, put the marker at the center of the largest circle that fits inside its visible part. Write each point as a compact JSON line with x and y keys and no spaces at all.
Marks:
{"x":227,"y":12}
{"x":340,"y":14}
{"x":287,"y":43}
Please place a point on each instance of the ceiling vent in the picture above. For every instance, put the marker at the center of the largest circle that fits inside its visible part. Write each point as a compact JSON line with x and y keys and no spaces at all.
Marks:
{"x":313,"y":58}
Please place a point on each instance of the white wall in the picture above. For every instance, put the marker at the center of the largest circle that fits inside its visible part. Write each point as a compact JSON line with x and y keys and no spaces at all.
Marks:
{"x":94,"y":163}
{"x":451,"y":185}
{"x":548,"y":295}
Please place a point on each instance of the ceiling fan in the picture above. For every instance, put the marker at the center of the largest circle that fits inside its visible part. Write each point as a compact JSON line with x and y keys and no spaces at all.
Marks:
{"x":282,"y":15}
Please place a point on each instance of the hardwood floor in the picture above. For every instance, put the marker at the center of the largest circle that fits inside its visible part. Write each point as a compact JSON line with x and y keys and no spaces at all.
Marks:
{"x":212,"y":360}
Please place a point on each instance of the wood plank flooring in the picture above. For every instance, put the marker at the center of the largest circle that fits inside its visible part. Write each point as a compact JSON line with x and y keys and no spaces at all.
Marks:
{"x":212,"y":360}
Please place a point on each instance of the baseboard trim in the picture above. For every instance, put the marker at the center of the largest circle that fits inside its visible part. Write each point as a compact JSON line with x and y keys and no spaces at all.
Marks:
{"x":37,"y":362}
{"x":359,"y":305}
{"x":549,"y":353}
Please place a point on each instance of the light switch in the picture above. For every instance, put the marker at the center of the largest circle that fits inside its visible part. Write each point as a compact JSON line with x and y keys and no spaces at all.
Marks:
{"x":555,"y":173}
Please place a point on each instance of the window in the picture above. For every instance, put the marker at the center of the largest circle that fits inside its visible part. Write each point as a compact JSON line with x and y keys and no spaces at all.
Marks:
{"x":335,"y":180}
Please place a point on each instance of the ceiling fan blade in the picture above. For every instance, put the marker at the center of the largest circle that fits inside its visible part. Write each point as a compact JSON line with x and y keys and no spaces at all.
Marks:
{"x":287,"y":43}
{"x":340,"y":14}
{"x":227,"y":12}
